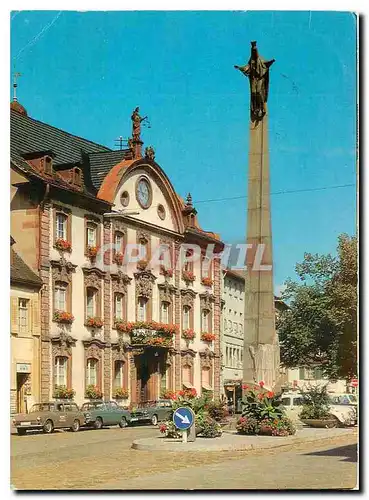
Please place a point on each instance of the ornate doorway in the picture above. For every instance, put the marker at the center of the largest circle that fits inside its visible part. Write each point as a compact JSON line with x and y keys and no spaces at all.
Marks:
{"x":149,"y":366}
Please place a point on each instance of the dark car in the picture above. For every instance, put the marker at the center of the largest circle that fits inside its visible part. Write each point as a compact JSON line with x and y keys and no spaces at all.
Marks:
{"x":152,"y":411}
{"x":50,"y":416}
{"x":100,"y":413}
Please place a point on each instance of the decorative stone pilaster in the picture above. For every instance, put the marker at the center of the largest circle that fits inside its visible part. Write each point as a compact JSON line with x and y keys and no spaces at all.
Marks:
{"x":177,"y":318}
{"x":217,"y":325}
{"x":45,"y":301}
{"x":107,"y":336}
{"x":107,"y":241}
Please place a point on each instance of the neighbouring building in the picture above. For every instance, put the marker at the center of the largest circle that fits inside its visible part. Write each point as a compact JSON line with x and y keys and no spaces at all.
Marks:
{"x":25,"y":333}
{"x":232,"y":343}
{"x":77,"y":209}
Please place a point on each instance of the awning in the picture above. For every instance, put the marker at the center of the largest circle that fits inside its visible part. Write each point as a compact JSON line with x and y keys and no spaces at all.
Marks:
{"x":207,"y":387}
{"x":187,"y":385}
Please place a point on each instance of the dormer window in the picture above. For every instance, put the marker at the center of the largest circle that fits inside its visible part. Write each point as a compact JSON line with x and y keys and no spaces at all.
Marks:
{"x":48,"y":165}
{"x":77,"y":176}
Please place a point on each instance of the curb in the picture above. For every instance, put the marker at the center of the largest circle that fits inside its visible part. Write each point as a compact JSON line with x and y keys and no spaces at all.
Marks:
{"x":173,"y":446}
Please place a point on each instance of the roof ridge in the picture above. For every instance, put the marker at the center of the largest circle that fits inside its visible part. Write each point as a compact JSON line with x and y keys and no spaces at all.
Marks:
{"x":109,"y":151}
{"x":64,"y":131}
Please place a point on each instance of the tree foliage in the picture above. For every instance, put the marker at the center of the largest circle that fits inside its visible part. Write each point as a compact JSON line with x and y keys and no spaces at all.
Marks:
{"x":320,"y":324}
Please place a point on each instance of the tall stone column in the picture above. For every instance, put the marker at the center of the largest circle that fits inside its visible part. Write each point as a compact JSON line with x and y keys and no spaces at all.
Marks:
{"x":261,"y":347}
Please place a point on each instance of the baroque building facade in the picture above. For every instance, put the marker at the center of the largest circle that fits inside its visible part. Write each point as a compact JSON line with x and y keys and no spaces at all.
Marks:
{"x":113,"y":326}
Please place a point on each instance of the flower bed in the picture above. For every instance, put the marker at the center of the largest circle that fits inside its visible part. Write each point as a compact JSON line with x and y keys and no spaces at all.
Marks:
{"x":118,"y":258}
{"x":206,"y":281}
{"x":120,"y":393}
{"x":63,"y":317}
{"x":188,"y":334}
{"x":188,"y":276}
{"x":94,"y":322}
{"x":62,"y":392}
{"x":207,"y":337}
{"x":263,"y":414}
{"x":93,"y":392}
{"x":63,"y":245}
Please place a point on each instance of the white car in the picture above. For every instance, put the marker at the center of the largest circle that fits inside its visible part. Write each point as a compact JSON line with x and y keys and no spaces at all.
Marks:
{"x":292,"y":403}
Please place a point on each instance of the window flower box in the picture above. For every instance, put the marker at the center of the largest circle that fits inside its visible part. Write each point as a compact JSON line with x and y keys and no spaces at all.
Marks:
{"x":188,"y":276}
{"x":123,"y":326}
{"x":62,"y":392}
{"x":94,"y":322}
{"x":63,"y":245}
{"x":92,"y":252}
{"x":63,"y":317}
{"x":167,"y":272}
{"x":142,"y":264}
{"x":93,"y":392}
{"x":167,"y":394}
{"x":207,"y":337}
{"x":188,"y":334}
{"x":120,"y":393}
{"x":118,"y":258}
{"x":206,"y":281}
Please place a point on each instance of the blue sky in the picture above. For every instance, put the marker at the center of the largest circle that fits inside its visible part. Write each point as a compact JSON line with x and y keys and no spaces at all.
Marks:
{"x":85,"y":72}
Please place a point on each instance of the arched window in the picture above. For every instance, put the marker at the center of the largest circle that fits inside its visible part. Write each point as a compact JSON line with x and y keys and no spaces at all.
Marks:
{"x":164,"y":312}
{"x":118,"y":374}
{"x":142,"y":309}
{"x":186,"y":317}
{"x":60,"y":296}
{"x":119,"y":306}
{"x":91,"y":372}
{"x":60,"y":371}
{"x":91,"y":301}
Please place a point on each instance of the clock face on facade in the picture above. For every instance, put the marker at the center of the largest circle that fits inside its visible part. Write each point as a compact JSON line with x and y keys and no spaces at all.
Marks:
{"x":143,"y":192}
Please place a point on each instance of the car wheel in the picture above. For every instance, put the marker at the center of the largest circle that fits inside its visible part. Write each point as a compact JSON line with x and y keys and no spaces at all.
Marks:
{"x":123,"y":422}
{"x":76,"y":425}
{"x":98,"y":423}
{"x":335,"y":422}
{"x":21,"y":432}
{"x":154,"y":420}
{"x":48,"y":427}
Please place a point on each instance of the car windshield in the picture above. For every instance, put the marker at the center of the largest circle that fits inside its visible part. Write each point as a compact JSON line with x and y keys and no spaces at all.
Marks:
{"x":353,"y":398}
{"x":42,"y":407}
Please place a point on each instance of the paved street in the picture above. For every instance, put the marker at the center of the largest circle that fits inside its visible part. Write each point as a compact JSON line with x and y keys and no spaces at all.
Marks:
{"x":104,"y":460}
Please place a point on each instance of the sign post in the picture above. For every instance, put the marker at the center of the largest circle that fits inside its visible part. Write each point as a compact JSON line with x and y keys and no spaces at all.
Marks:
{"x":183,"y":419}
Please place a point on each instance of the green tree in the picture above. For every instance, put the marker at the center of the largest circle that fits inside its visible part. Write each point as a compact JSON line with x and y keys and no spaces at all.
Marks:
{"x":320,"y":324}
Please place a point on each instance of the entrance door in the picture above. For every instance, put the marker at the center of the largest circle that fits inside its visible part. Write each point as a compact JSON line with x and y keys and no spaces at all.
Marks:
{"x":147,"y":376}
{"x":21,"y":392}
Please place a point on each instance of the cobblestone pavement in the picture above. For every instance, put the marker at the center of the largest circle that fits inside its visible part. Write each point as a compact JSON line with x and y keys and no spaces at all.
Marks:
{"x":104,"y":459}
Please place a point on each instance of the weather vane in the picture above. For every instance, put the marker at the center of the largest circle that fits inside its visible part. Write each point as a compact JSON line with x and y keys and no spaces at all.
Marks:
{"x":15,"y":85}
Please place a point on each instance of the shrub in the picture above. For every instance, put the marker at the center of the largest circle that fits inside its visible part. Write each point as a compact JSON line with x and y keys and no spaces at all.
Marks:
{"x":315,"y":403}
{"x":217,"y":410}
{"x":208,"y":427}
{"x":169,"y":430}
{"x":247,"y":425}
{"x":260,"y":404}
{"x":278,"y":427}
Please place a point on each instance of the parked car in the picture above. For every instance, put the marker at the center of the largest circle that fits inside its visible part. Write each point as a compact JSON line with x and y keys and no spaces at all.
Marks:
{"x":292,"y":403}
{"x":50,"y":416}
{"x":100,"y":413}
{"x":152,"y":411}
{"x":345,"y":399}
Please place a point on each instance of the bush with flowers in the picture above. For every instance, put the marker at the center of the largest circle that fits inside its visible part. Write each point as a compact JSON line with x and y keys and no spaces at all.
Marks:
{"x":188,"y":276}
{"x":167,"y":394}
{"x":92,"y":252}
{"x":62,"y":392}
{"x":93,"y":392}
{"x":206,"y":281}
{"x":263,"y":413}
{"x":120,"y":393}
{"x":94,"y":322}
{"x":208,"y":414}
{"x":63,"y":245}
{"x":170,"y":430}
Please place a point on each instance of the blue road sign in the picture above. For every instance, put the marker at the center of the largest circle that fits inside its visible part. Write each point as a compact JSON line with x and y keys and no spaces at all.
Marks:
{"x":183,"y":418}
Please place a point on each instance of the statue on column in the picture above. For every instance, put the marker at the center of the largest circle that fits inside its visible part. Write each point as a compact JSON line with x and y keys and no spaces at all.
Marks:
{"x":136,"y":124}
{"x":257,"y":71}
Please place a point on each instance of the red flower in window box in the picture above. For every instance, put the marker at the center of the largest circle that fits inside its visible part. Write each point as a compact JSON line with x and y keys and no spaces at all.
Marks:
{"x":156,"y":341}
{"x":118,"y":258}
{"x":94,"y":322}
{"x":63,"y":245}
{"x":93,"y":392}
{"x":188,"y":334}
{"x":123,"y":326}
{"x":206,"y":281}
{"x":62,"y":392}
{"x":167,"y":272}
{"x":167,"y":394}
{"x":207,"y":337}
{"x":188,"y":276}
{"x":63,"y":317}
{"x":168,"y":330}
{"x":142,"y":264}
{"x":120,"y":393}
{"x":92,"y":252}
